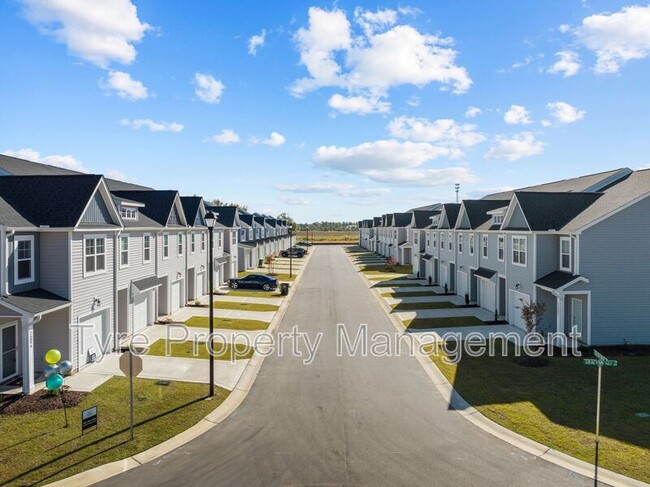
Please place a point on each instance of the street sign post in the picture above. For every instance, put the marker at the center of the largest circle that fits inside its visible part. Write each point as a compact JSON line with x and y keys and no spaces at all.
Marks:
{"x":600,"y":361}
{"x":131,"y":366}
{"x":88,"y":419}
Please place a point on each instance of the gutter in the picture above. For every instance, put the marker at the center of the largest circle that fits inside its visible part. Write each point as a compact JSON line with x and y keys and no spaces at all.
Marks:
{"x":6,"y":233}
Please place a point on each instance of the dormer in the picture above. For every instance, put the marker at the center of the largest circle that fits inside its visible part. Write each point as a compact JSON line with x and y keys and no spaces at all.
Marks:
{"x":130,"y":210}
{"x":497,"y":216}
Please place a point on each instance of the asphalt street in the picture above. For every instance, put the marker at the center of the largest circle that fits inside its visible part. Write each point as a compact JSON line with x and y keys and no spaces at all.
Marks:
{"x":344,"y":420}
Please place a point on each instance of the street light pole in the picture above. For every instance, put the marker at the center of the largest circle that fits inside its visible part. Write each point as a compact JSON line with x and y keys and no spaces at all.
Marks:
{"x":210,"y":221}
{"x":290,"y":253}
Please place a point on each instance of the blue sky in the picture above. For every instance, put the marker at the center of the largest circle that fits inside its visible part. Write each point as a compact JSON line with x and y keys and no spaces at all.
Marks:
{"x":329,"y":111}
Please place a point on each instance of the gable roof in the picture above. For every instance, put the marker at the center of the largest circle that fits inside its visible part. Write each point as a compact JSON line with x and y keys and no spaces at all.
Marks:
{"x":476,"y":211}
{"x":158,"y":204}
{"x":422,"y":218}
{"x":191,"y":206}
{"x":451,"y":210}
{"x":227,"y":215}
{"x":402,"y":219}
{"x":55,"y":201}
{"x":552,"y":211}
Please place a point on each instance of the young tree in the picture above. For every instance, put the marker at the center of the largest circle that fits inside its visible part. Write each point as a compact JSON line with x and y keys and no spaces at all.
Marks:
{"x":532,"y":314}
{"x":269,"y":260}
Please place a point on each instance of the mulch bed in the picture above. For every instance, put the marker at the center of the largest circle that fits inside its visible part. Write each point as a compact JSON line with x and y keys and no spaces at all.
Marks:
{"x":41,"y":401}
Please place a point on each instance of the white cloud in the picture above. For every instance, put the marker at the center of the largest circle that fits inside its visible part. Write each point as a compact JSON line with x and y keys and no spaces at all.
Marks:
{"x":125,"y":86}
{"x":295,"y":201}
{"x":208,"y":89}
{"x":64,"y":161}
{"x":358,"y":104}
{"x":472,"y":112}
{"x":120,"y":176}
{"x":568,"y":64}
{"x":413,"y":101}
{"x":363,"y":193}
{"x":152,"y":126}
{"x":515,"y":147}
{"x":565,"y":113}
{"x":98,"y":31}
{"x":564,"y":28}
{"x":444,"y":131}
{"x":275,"y":140}
{"x":226,"y":136}
{"x":341,"y":189}
{"x":256,"y":41}
{"x":424,"y":177}
{"x":616,"y":38}
{"x":383,"y":55}
{"x":517,"y":115}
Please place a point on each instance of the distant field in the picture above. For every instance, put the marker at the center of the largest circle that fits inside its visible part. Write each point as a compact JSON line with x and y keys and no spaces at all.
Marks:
{"x":343,"y":236}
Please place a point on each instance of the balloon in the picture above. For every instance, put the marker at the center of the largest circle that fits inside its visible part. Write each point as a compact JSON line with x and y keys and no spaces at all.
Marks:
{"x":65,"y":367}
{"x":51,"y":370}
{"x":54,"y":382}
{"x":52,"y":356}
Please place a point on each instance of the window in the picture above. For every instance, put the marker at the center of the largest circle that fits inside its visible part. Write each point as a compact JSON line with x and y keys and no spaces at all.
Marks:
{"x":220,"y":239}
{"x":498,"y":219}
{"x":435,"y":240}
{"x":180,"y":244}
{"x":146,"y":248}
{"x":484,"y":246}
{"x":124,"y":251}
{"x":450,"y":238}
{"x":415,"y":238}
{"x":471,"y":244}
{"x":203,"y":242}
{"x":24,"y":259}
{"x":460,"y":243}
{"x":129,"y":213}
{"x":501,"y":247}
{"x":234,"y":238}
{"x":165,"y":246}
{"x":442,"y":241}
{"x":565,"y":254}
{"x":428,"y":238}
{"x":519,"y":250}
{"x":192,"y":242}
{"x":95,"y":255}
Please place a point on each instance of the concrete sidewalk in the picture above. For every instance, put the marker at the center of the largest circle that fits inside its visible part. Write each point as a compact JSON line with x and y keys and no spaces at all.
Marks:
{"x":243,"y":299}
{"x":184,"y":314}
{"x":480,"y":313}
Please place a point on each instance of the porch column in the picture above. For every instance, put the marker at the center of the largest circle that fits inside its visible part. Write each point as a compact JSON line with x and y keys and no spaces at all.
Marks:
{"x":27,"y":334}
{"x":560,"y":313}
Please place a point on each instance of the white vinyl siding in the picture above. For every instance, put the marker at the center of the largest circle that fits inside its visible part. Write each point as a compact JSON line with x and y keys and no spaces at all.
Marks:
{"x":192,"y":242}
{"x":94,"y":255}
{"x":146,"y":248}
{"x":180,"y":244}
{"x":24,"y":259}
{"x":165,"y":246}
{"x":519,"y":247}
{"x":124,"y":251}
{"x":202,"y":242}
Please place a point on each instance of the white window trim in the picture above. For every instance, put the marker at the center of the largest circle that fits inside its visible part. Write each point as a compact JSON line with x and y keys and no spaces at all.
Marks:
{"x":192,"y":243}
{"x":501,"y":238}
{"x":32,"y":277}
{"x":144,"y":235}
{"x":165,"y":236}
{"x":128,"y":257}
{"x":512,"y":255}
{"x":450,"y":243}
{"x":203,"y":242}
{"x":17,"y":340}
{"x":485,"y":246}
{"x":459,"y":241}
{"x":94,"y":237}
{"x":472,"y":244}
{"x":567,"y":269}
{"x":180,"y":245}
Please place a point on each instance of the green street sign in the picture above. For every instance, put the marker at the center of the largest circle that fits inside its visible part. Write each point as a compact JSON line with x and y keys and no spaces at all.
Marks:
{"x":610,"y":363}
{"x":599,"y":355}
{"x":600,"y":360}
{"x":590,"y":361}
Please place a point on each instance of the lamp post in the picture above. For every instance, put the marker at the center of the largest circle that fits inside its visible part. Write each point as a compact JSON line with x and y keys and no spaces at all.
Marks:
{"x":290,"y":253}
{"x":210,"y":221}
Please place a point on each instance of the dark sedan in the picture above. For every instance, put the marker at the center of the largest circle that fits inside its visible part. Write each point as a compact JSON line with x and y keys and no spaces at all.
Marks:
{"x":293,"y":252}
{"x":254,"y":281}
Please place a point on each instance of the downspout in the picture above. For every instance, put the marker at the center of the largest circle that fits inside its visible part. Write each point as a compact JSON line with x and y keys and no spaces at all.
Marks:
{"x":7,"y":232}
{"x":116,"y":254}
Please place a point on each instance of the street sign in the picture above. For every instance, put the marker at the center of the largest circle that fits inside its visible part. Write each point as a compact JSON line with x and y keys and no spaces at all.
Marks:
{"x":600,"y":363}
{"x":590,"y":361}
{"x":124,"y":364}
{"x":88,"y":418}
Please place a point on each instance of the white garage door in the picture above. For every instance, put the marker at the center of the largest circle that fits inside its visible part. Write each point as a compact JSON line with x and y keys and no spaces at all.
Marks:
{"x":200,"y":288}
{"x":462,"y":283}
{"x":92,"y":332}
{"x":517,"y":299}
{"x":443,"y":275}
{"x":141,"y":310}
{"x":487,"y":294}
{"x":177,"y":295}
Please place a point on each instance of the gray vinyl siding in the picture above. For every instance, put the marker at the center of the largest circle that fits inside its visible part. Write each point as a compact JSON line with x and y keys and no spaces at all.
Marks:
{"x":613,"y":255}
{"x":517,"y":220}
{"x":568,"y":312}
{"x":492,"y":261}
{"x":52,"y":331}
{"x":549,"y":319}
{"x":197,"y":259}
{"x":86,"y":287}
{"x":516,"y":273}
{"x":465,"y":259}
{"x":172,"y":266}
{"x":97,"y":211}
{"x":11,"y":247}
{"x":54,"y":263}
{"x":137,"y":268}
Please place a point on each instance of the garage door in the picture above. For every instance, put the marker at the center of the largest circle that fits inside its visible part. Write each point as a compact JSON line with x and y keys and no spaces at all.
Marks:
{"x":92,"y":333}
{"x":516,"y":301}
{"x":462,"y":283}
{"x":141,"y":310}
{"x":200,"y":288}
{"x":177,"y":295}
{"x":487,"y":294}
{"x":443,"y":275}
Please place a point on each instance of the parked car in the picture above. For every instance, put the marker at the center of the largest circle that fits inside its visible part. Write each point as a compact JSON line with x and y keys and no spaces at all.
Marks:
{"x":293,"y":252}
{"x":254,"y":281}
{"x":304,"y":244}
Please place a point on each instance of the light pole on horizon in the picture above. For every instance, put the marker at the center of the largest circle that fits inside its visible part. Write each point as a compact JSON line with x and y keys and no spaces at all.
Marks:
{"x":210,"y":221}
{"x":290,"y":253}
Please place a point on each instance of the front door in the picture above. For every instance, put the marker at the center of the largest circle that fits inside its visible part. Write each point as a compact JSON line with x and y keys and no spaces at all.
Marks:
{"x":8,"y":347}
{"x":576,"y":319}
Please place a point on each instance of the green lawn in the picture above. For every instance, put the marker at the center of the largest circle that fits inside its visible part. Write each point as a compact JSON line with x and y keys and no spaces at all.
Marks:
{"x":254,"y":294}
{"x":223,"y":351}
{"x":36,"y":449}
{"x":389,"y":284}
{"x":370,"y":269}
{"x":420,"y":306}
{"x":227,"y":323}
{"x":555,"y":405}
{"x":451,"y":322}
{"x":244,"y":306}
{"x":410,"y":294}
{"x":279,"y":277}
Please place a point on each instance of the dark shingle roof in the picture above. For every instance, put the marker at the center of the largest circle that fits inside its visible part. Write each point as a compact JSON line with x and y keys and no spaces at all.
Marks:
{"x":191,"y":206}
{"x":423,"y":218}
{"x":452,"y":210}
{"x":556,"y":279}
{"x":227,"y":214}
{"x":36,"y":301}
{"x":476,"y":210}
{"x":158,"y":204}
{"x":552,"y":211}
{"x":402,"y":219}
{"x":55,"y":201}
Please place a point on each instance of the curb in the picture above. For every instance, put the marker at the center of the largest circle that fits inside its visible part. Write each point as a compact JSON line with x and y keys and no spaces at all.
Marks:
{"x":462,"y":407}
{"x":220,"y":413}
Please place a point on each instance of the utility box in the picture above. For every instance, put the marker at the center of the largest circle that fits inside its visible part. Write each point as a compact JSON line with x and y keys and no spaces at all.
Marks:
{"x":284,"y":289}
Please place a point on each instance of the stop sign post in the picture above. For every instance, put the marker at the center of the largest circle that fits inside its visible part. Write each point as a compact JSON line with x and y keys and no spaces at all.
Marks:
{"x":131,"y":366}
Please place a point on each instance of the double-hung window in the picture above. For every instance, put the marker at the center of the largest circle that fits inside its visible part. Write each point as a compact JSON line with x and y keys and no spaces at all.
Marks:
{"x":450,"y":237}
{"x":203,"y":242}
{"x":192,"y":242}
{"x":565,"y":254}
{"x":24,"y":259}
{"x":442,"y":241}
{"x":501,"y":247}
{"x":484,"y":246}
{"x":471,"y":244}
{"x":180,"y":244}
{"x":435,"y":240}
{"x":519,"y":245}
{"x":165,"y":246}
{"x":94,"y":255}
{"x":124,"y":251}
{"x":146,"y":248}
{"x":460,"y":243}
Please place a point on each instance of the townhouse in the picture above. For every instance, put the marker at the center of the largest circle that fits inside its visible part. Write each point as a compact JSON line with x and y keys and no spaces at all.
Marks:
{"x":86,"y":261}
{"x":573,"y":245}
{"x":420,"y":220}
